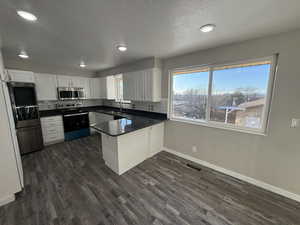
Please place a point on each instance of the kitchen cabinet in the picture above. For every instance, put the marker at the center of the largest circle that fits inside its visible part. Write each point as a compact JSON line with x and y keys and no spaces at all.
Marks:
{"x":103,"y":88}
{"x":143,"y":85}
{"x":52,"y":129}
{"x":21,"y":76}
{"x":64,"y":81}
{"x":95,"y":88}
{"x":46,"y":88}
{"x":144,"y":143}
{"x":107,"y":87}
{"x":156,"y":138}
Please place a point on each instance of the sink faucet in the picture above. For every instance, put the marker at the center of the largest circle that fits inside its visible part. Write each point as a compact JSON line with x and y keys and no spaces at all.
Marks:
{"x":121,"y":106}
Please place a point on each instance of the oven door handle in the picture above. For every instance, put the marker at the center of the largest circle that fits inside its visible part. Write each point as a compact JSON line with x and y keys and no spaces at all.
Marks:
{"x":76,"y":114}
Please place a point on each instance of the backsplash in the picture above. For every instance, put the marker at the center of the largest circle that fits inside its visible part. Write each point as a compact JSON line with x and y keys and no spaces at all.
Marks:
{"x":160,"y":107}
{"x":48,"y":105}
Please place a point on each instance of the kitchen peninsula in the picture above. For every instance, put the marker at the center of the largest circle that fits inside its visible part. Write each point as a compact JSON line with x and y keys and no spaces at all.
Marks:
{"x":131,"y":139}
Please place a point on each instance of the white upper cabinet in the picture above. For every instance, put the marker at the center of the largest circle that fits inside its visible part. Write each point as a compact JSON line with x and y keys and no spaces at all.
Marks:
{"x":103,"y":87}
{"x":95,"y":88}
{"x":46,"y":88}
{"x":20,"y":76}
{"x":64,"y":81}
{"x":109,"y":88}
{"x":144,"y":85}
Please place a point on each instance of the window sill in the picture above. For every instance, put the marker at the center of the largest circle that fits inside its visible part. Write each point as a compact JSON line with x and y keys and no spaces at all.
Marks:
{"x":217,"y":126}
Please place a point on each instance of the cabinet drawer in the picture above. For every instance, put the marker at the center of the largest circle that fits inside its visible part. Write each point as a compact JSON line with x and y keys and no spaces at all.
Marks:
{"x":50,"y":130}
{"x":51,"y":119}
{"x":52,"y":124}
{"x":53,"y":137}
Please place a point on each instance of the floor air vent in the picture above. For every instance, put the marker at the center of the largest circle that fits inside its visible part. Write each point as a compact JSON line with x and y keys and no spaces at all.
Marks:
{"x":194,"y":167}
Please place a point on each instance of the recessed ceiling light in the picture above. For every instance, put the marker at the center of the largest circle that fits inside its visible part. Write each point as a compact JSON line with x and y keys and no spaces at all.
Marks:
{"x":82,"y":65}
{"x":122,"y":48}
{"x":27,"y":15}
{"x":208,"y":28}
{"x":23,"y":55}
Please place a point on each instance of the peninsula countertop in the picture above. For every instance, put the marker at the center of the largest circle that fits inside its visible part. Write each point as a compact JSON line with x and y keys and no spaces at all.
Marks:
{"x":127,"y":124}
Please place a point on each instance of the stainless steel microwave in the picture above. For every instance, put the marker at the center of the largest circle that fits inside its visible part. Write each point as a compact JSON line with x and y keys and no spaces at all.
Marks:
{"x":68,"y":93}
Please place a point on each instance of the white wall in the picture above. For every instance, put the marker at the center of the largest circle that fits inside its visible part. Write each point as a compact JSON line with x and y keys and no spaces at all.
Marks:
{"x":273,"y":159}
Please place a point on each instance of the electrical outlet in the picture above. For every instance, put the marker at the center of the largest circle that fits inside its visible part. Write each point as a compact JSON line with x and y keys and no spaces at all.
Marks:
{"x":295,"y":123}
{"x":194,"y":149}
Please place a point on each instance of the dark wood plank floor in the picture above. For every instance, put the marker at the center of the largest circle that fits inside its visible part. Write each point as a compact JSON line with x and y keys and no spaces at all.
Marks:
{"x":68,"y":184}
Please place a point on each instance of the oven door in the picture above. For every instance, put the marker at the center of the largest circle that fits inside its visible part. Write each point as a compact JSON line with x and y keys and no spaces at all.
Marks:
{"x":76,"y":121}
{"x":67,"y":94}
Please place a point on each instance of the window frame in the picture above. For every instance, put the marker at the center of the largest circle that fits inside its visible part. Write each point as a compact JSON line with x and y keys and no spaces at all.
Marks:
{"x":221,"y":125}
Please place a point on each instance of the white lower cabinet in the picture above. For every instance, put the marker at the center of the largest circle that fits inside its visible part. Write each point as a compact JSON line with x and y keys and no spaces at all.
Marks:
{"x":126,"y":151}
{"x":53,"y":130}
{"x":156,"y":139}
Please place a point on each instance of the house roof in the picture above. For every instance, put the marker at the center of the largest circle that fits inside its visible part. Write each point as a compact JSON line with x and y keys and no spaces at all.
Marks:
{"x":251,"y":104}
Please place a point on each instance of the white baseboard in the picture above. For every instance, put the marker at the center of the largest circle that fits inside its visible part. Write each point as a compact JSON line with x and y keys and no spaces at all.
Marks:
{"x":7,"y":199}
{"x":239,"y":176}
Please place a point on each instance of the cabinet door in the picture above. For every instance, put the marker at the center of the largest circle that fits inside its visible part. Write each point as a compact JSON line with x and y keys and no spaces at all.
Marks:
{"x":103,"y":87}
{"x":126,"y":86}
{"x":46,"y":87}
{"x":95,"y":88}
{"x":87,"y":88}
{"x":79,"y":82}
{"x":140,"y":96}
{"x":110,"y":88}
{"x":135,"y":86}
{"x":63,"y":81}
{"x":148,"y":87}
{"x":92,"y":88}
{"x":21,"y":76}
{"x":156,"y":137}
{"x":156,"y":84}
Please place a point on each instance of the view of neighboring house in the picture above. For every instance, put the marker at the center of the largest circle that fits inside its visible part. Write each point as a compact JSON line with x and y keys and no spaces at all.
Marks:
{"x":250,"y":114}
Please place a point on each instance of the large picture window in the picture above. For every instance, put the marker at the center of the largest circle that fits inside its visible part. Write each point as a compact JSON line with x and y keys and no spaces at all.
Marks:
{"x":234,"y":96}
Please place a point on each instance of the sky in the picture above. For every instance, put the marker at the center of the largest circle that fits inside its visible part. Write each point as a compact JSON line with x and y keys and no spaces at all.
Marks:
{"x":227,"y":80}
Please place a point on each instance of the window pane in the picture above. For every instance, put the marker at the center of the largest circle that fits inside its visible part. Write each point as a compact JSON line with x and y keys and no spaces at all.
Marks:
{"x":190,"y":91}
{"x":239,"y":94}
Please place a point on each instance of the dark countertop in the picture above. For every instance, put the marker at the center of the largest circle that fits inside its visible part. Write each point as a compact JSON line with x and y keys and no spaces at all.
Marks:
{"x":56,"y":112}
{"x":131,"y":120}
{"x":126,"y":125}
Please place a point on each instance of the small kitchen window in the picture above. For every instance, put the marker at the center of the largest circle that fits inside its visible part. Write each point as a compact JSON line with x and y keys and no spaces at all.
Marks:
{"x":233,"y":96}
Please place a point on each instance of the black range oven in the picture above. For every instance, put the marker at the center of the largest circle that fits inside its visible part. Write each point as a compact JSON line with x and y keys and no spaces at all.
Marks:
{"x":76,"y":124}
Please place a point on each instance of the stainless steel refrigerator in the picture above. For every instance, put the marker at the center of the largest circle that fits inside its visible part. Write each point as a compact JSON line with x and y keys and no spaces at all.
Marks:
{"x":26,"y":116}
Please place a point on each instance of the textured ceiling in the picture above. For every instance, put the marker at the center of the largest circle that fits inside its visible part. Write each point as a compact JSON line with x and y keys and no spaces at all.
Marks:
{"x":70,"y":30}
